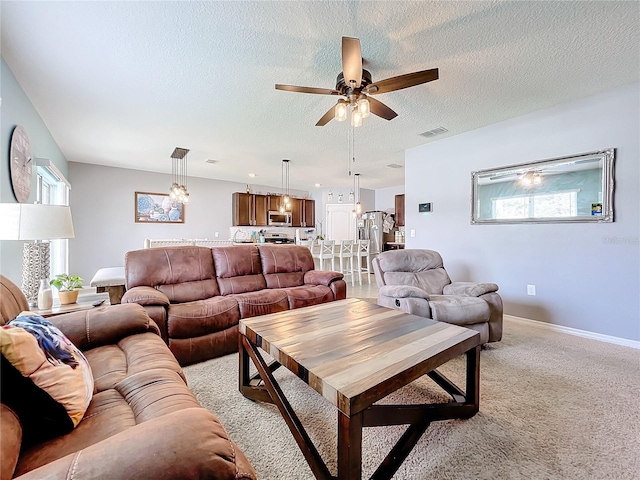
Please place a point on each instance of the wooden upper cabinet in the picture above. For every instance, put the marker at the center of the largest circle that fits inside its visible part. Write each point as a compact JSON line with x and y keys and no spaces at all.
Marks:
{"x":309,"y":213}
{"x":303,"y":212}
{"x":400,"y":210}
{"x":249,"y":209}
{"x":273,"y":203}
{"x":260,"y":210}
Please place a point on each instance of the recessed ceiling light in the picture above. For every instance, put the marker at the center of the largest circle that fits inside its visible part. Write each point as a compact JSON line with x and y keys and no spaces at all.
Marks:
{"x":211,"y":160}
{"x":252,"y":175}
{"x":318,"y":185}
{"x":394,"y":165}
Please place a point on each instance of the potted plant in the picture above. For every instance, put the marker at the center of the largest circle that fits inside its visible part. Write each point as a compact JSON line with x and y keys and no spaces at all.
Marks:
{"x":68,"y":287}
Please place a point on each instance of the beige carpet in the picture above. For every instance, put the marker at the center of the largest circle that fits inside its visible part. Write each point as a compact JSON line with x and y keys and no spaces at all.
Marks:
{"x":552,"y":406}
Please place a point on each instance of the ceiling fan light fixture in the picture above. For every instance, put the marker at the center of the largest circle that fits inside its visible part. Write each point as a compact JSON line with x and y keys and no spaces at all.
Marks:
{"x":363,"y":107}
{"x":356,"y":118}
{"x":341,"y":111}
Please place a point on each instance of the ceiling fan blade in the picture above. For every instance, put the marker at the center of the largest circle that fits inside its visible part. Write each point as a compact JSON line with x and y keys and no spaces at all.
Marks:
{"x":380,"y":109}
{"x":318,"y":91}
{"x":327,"y":117}
{"x":402,"y":81}
{"x":351,"y":61}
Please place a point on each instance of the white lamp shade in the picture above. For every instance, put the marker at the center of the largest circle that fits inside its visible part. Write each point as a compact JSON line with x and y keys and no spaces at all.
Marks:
{"x":23,"y":221}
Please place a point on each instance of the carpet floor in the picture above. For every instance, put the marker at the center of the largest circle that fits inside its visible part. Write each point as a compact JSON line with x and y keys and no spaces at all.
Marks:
{"x":552,"y":406}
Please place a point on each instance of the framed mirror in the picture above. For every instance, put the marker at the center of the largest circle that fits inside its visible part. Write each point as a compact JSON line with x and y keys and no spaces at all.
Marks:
{"x":577,"y":188}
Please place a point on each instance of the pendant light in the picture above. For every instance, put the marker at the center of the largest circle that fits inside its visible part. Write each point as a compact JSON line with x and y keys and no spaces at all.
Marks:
{"x":178,"y":191}
{"x":285,"y":203}
{"x":356,"y":189}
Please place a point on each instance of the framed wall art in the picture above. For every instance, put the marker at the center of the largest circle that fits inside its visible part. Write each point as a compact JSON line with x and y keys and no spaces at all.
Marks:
{"x":157,"y":208}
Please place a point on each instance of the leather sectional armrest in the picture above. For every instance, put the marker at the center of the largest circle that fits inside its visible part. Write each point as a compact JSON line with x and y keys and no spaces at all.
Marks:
{"x":104,"y":325}
{"x":321,"y":277}
{"x":145,"y":296}
{"x":469,"y":289}
{"x":187,"y":444}
{"x":402,"y":291}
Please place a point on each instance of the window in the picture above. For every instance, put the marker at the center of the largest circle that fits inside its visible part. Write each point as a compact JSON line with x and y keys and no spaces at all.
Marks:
{"x":544,"y":205}
{"x":53,"y":189}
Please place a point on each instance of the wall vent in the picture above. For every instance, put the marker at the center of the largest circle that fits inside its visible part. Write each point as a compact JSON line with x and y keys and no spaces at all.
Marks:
{"x":394,"y":165}
{"x":434,"y":132}
{"x":211,"y":160}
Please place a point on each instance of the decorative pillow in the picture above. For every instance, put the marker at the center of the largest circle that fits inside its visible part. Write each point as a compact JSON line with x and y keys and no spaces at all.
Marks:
{"x":46,"y":380}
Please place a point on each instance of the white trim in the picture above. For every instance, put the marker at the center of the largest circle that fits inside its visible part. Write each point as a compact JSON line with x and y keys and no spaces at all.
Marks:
{"x":579,"y":333}
{"x":48,"y":164}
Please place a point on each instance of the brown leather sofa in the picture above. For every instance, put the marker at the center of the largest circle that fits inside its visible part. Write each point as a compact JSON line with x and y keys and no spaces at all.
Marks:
{"x":197,"y":295}
{"x":142,"y":423}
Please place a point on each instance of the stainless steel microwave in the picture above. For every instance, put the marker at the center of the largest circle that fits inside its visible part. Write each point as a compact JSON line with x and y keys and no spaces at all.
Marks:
{"x":278,"y":219}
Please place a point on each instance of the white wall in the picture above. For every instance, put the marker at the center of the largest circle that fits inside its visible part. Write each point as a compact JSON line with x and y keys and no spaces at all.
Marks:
{"x":386,"y":198}
{"x":102,"y":206}
{"x":587,"y":276}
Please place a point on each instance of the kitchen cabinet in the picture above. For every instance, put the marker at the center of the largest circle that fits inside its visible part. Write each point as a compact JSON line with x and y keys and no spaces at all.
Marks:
{"x":303,"y":212}
{"x":273,"y":202}
{"x":249,"y":209}
{"x":400,"y":210}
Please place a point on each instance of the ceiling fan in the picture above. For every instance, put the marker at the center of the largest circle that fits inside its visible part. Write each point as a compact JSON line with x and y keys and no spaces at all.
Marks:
{"x":355,"y":85}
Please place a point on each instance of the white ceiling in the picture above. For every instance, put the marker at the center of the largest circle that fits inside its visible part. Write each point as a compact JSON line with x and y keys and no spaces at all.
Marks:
{"x":123,"y":83}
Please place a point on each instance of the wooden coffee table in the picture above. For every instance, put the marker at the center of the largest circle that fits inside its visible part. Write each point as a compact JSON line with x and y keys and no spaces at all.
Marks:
{"x":355,"y":353}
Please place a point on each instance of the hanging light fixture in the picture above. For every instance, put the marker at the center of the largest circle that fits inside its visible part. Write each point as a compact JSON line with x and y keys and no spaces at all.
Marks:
{"x":285,"y":204}
{"x":356,"y":189}
{"x":330,"y":196}
{"x":351,"y":196}
{"x":178,"y":191}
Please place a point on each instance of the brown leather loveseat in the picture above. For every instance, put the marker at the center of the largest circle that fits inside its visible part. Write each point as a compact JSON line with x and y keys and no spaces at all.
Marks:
{"x":142,"y":422}
{"x":197,"y":295}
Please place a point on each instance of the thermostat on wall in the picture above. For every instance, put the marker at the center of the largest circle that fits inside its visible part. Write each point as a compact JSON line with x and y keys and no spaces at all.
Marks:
{"x":424,"y":207}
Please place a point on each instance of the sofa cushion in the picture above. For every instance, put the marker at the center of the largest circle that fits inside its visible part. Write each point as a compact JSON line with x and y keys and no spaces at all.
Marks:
{"x":183,"y":274}
{"x":197,"y":349}
{"x":194,"y":319}
{"x":137,"y":380}
{"x":285,"y":267}
{"x":238,"y":269}
{"x":308,"y":295}
{"x":264,"y":302}
{"x":45,"y":379}
{"x":458,"y":309}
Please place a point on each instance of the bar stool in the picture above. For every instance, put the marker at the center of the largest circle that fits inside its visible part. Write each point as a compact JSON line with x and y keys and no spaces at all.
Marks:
{"x":306,"y":243}
{"x":345,"y":252}
{"x":362,"y":252}
{"x":326,"y":251}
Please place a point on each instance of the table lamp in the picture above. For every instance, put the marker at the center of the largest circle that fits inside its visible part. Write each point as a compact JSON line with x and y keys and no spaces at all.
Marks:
{"x":37,"y":222}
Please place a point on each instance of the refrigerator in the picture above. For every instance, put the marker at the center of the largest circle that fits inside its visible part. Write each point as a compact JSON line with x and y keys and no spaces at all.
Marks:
{"x":370,"y":228}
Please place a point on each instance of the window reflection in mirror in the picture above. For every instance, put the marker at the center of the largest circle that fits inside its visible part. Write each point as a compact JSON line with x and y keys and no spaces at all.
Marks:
{"x":569,"y":189}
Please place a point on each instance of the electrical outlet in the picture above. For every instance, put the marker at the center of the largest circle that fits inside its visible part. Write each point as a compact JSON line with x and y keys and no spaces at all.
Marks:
{"x":413,"y":232}
{"x":531,"y":289}
{"x":216,"y":234}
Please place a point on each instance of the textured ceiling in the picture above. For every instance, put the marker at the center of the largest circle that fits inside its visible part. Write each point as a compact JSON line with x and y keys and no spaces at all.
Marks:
{"x":123,"y":83}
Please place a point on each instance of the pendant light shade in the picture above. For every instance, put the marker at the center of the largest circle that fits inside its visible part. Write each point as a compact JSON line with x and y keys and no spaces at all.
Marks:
{"x":340,"y":113}
{"x":364,"y":108}
{"x":178,"y":191}
{"x":285,"y":203}
{"x":356,"y":118}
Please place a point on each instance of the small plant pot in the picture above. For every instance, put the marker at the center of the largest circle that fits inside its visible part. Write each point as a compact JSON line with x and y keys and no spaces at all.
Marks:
{"x":68,"y":297}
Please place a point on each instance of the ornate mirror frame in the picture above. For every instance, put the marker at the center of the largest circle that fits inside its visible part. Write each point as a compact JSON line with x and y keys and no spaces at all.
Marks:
{"x":576,"y":188}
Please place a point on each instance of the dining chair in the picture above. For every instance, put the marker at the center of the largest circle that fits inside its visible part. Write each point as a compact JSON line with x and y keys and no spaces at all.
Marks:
{"x":345,"y":252}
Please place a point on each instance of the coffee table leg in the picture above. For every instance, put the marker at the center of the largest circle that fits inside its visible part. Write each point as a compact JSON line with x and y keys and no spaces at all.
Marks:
{"x":349,"y":446}
{"x":472,"y":394}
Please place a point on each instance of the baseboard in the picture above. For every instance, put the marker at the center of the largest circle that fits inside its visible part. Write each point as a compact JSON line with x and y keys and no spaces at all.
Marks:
{"x":579,"y":333}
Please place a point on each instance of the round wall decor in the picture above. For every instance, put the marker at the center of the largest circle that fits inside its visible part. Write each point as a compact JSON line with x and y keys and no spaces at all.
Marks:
{"x":21,"y":164}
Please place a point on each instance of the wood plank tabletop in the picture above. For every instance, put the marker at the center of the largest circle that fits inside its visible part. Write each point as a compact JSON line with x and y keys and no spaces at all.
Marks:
{"x":355,"y":352}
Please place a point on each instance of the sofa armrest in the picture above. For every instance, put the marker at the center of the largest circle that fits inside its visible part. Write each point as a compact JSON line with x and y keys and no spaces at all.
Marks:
{"x":321,"y":277}
{"x":402,"y":291}
{"x":187,"y":444}
{"x":145,"y":296}
{"x":469,"y":289}
{"x":104,"y":325}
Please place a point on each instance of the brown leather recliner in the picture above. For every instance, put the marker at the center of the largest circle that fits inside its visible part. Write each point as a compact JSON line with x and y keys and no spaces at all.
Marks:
{"x":416,"y":282}
{"x":197,"y":295}
{"x":143,"y":422}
